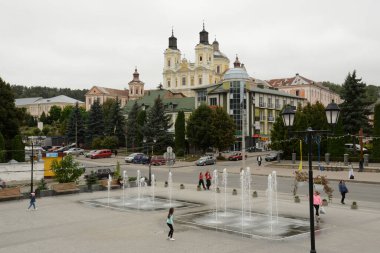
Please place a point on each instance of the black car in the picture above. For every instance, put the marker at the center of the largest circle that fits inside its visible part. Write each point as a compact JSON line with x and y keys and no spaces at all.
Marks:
{"x":102,"y":173}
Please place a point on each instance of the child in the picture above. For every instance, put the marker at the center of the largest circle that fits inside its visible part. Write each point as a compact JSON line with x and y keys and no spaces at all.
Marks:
{"x":32,"y":201}
{"x":317,"y":203}
{"x":169,"y":222}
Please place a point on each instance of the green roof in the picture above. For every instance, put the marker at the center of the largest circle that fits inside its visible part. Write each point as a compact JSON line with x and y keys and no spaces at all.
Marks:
{"x":185,"y":104}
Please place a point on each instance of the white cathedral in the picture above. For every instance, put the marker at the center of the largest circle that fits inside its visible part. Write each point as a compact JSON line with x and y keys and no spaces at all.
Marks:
{"x":180,"y":75}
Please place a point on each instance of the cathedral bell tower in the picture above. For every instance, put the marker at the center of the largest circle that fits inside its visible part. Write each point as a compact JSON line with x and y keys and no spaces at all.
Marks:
{"x":172,"y":60}
{"x":136,"y":87}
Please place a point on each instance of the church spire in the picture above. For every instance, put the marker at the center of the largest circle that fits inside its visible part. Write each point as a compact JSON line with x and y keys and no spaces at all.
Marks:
{"x":136,"y":75}
{"x":173,"y":41}
{"x":237,"y":62}
{"x":203,"y":36}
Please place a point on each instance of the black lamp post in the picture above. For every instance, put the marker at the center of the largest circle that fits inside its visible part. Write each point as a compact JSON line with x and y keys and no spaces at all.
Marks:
{"x":332,"y":113}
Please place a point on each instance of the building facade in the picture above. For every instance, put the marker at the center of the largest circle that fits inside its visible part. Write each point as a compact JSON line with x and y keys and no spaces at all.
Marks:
{"x":252,"y":103}
{"x":37,"y":106}
{"x":180,"y":75}
{"x":102,"y":94}
{"x":305,"y":88}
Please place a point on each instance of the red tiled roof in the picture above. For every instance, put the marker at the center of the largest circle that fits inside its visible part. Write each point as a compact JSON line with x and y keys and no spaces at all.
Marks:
{"x":287,"y":81}
{"x":109,"y":91}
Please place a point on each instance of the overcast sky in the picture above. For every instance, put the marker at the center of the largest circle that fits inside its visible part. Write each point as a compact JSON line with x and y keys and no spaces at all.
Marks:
{"x":81,"y":43}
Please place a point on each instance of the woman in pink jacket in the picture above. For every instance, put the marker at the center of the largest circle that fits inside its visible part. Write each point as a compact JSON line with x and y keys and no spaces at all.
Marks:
{"x":317,"y":202}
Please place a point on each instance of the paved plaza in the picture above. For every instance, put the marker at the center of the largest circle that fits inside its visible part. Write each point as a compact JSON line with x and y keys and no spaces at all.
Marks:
{"x":66,"y":224}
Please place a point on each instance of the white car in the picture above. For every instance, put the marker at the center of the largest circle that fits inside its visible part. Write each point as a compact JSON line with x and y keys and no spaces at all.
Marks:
{"x":74,"y":151}
{"x":129,"y":159}
{"x":350,"y":147}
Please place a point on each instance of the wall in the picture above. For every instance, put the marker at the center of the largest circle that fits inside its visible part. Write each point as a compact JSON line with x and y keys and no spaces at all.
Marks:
{"x":21,"y":171}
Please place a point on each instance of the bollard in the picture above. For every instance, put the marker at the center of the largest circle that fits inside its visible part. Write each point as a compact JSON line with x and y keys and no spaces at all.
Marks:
{"x":366,"y":159}
{"x":345,"y":160}
{"x":294,"y":158}
{"x":327,"y":158}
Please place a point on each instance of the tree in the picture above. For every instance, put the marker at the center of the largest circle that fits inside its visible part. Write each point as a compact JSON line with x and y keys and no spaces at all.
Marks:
{"x":75,"y":128}
{"x":43,"y":118}
{"x":157,"y":126}
{"x":54,"y":114}
{"x":376,"y":133}
{"x":2,"y":149}
{"x":9,"y":123}
{"x":110,"y":142}
{"x":279,"y":133}
{"x":223,"y":128}
{"x":354,"y":109}
{"x":199,"y":132}
{"x":18,"y":149}
{"x":67,"y":170}
{"x":65,"y":116}
{"x":180,"y":133}
{"x":95,"y":123}
{"x":141,"y":121}
{"x":132,"y":125}
{"x":115,"y":123}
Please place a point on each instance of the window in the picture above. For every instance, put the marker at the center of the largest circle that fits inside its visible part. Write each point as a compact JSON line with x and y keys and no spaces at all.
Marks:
{"x":202,"y":96}
{"x":183,"y":81}
{"x":131,"y":91}
{"x":297,"y":93}
{"x":213,"y":101}
{"x":200,"y":58}
{"x":292,"y":103}
{"x":200,"y":80}
{"x":168,"y":83}
{"x":176,"y":82}
{"x":218,"y":69}
{"x":192,"y":81}
{"x":168,"y":63}
{"x":277,"y":103}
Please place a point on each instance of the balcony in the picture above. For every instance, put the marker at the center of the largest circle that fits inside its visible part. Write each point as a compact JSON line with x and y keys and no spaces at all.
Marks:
{"x":270,"y":105}
{"x":262,"y":104}
{"x":270,"y":118}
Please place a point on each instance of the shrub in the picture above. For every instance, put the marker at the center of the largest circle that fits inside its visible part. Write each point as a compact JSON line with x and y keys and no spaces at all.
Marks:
{"x":67,"y":170}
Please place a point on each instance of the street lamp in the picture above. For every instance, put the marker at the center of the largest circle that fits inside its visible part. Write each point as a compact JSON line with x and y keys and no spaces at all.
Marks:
{"x":26,"y":141}
{"x":332,"y":113}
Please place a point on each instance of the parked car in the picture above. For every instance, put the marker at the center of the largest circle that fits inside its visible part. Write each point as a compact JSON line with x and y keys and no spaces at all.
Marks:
{"x":102,"y":173}
{"x":272,"y":156}
{"x":141,"y":159}
{"x":254,"y":149}
{"x":205,"y":160}
{"x":89,"y":153}
{"x":157,"y":160}
{"x":102,"y":153}
{"x":74,"y":151}
{"x":54,"y":148}
{"x":236,"y":156}
{"x":129,"y":158}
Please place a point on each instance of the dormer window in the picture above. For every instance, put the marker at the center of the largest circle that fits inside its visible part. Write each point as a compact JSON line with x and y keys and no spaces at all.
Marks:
{"x":200,"y":58}
{"x":168,"y":63}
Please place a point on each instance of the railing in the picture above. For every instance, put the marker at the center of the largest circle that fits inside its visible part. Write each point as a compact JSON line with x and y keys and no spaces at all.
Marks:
{"x":262,"y":104}
{"x":270,"y":118}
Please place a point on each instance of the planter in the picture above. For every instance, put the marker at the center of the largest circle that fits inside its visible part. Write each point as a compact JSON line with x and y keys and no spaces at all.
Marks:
{"x":354,"y":205}
{"x":318,"y":187}
{"x":301,"y":184}
{"x":132,"y":184}
{"x":297,"y":199}
{"x":254,"y":194}
{"x":44,"y":193}
{"x":234,"y":192}
{"x":181,"y":186}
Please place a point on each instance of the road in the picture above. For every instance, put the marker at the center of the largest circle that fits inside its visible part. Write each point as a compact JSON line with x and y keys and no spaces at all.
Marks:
{"x":189,"y":175}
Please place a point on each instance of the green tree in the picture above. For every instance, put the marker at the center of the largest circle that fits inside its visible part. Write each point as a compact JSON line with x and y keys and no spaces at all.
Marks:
{"x":2,"y":149}
{"x":43,"y":118}
{"x":223,"y":128}
{"x":354,"y":109}
{"x":115,"y":123}
{"x":65,"y":116}
{"x":199,"y":132}
{"x":335,"y":144}
{"x":110,"y":142}
{"x":132,"y":125}
{"x":97,"y":143}
{"x":157,"y":126}
{"x":75,"y":131}
{"x":376,"y":133}
{"x":54,"y":114}
{"x":67,"y":170}
{"x":141,"y":121}
{"x":9,"y":122}
{"x":18,"y":149}
{"x":279,"y":134}
{"x":180,"y":133}
{"x":95,"y":122}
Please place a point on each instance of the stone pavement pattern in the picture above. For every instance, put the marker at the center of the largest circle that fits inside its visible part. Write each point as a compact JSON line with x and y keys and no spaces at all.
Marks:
{"x":63,"y":224}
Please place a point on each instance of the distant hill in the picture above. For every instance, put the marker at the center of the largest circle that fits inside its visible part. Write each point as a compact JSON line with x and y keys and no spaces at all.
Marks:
{"x":47,"y":92}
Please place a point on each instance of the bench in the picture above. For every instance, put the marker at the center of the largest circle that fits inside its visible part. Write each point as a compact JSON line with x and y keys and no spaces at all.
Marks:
{"x":114,"y":183}
{"x":10,"y":193}
{"x":65,"y":188}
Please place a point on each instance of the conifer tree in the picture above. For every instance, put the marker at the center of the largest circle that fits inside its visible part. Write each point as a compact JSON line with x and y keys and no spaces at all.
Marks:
{"x":95,"y":123}
{"x":18,"y":149}
{"x":75,"y":131}
{"x":180,"y":133}
{"x":157,"y":126}
{"x":141,"y":121}
{"x":2,"y":149}
{"x":132,"y":126}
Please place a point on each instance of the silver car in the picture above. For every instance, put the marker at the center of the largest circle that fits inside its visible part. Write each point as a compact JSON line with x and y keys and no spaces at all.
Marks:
{"x":205,"y":160}
{"x":74,"y":151}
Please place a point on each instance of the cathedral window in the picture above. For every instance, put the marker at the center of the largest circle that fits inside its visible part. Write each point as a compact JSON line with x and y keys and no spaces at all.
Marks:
{"x":218,"y":69}
{"x":168,"y":83}
{"x":183,"y":81}
{"x":200,"y":58}
{"x":192,"y":81}
{"x":176,"y":82}
{"x":200,"y":80}
{"x":168,"y":63}
{"x":131,"y":91}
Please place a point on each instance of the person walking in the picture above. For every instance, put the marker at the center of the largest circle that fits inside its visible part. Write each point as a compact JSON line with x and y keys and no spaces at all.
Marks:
{"x":259,"y":159}
{"x":208,"y":180}
{"x":169,"y":222}
{"x":201,"y":182}
{"x":115,"y":152}
{"x":32,"y":201}
{"x":343,"y":190}
{"x":317,"y":202}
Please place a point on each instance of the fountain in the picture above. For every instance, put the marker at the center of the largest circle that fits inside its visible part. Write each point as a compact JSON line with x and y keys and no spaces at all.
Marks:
{"x":215,"y":183}
{"x":153,"y":186}
{"x":170,"y":186}
{"x":224,"y":181}
{"x":125,"y":180}
{"x":272,"y":199}
{"x":248,"y":181}
{"x":108,"y":189}
{"x":242,"y":198}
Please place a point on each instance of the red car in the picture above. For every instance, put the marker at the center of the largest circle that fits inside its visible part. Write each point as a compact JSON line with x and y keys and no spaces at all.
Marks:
{"x":157,"y":160}
{"x":236,"y":156}
{"x":102,"y":153}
